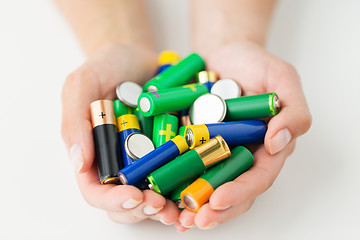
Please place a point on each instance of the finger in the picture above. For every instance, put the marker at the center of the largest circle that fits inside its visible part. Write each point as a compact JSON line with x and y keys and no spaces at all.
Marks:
{"x":169,"y":214}
{"x":208,"y":218}
{"x":187,"y":218}
{"x":251,"y":183}
{"x":294,"y":118}
{"x":76,"y":124}
{"x":109,"y":197}
{"x":180,"y":228}
{"x":152,"y":204}
{"x":124,"y":217}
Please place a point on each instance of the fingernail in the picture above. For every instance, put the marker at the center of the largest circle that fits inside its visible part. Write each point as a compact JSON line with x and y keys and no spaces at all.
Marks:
{"x":130,"y":203}
{"x":220,"y":207}
{"x":209,"y":226}
{"x":149,"y":210}
{"x":77,"y":157}
{"x":187,"y":225}
{"x":279,"y":141}
{"x":166,"y":223}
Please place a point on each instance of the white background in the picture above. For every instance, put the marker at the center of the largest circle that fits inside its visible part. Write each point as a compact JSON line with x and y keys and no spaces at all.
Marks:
{"x":316,"y":196}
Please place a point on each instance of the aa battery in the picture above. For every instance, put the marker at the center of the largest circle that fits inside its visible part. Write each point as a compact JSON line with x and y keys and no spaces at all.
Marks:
{"x":182,"y":131}
{"x":146,"y":123}
{"x":104,"y":130}
{"x":128,"y":93}
{"x":250,"y":107}
{"x":234,"y":133}
{"x":134,"y":173}
{"x":199,"y":192}
{"x":138,"y":145}
{"x":165,"y":128}
{"x":177,"y":75}
{"x":167,"y":59}
{"x":184,"y":117}
{"x":208,"y":108}
{"x":207,"y":78}
{"x":170,"y":100}
{"x":226,"y":89}
{"x":121,"y":109}
{"x":188,"y":165}
{"x":126,"y":124}
{"x":175,"y":194}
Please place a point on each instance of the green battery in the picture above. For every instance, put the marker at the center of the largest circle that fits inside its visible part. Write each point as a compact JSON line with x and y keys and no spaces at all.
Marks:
{"x":199,"y":192}
{"x":170,"y":100}
{"x":165,"y":128}
{"x":250,"y":107}
{"x":182,"y":131}
{"x":175,"y":194}
{"x":189,"y":165}
{"x":121,"y":109}
{"x":181,"y":73}
{"x":146,"y":123}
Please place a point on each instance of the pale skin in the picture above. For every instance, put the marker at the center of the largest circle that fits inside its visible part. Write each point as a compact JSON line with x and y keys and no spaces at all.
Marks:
{"x":117,"y":40}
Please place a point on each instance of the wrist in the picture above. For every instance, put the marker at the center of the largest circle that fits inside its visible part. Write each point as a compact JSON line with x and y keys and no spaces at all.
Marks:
{"x":211,"y":50}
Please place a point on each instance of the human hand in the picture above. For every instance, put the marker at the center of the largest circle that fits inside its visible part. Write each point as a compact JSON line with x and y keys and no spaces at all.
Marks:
{"x":94,"y":80}
{"x":257,"y":72}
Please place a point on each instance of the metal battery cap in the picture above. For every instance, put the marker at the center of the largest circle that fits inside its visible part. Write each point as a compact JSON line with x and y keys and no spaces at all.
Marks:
{"x":128,"y":93}
{"x":145,"y":104}
{"x":138,"y":145}
{"x":226,"y":89}
{"x":208,"y":108}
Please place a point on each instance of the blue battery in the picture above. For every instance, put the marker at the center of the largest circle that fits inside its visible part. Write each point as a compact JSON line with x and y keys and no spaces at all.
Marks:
{"x":163,"y":68}
{"x":126,"y":124}
{"x":136,"y":172}
{"x":207,"y":78}
{"x":235,"y":133}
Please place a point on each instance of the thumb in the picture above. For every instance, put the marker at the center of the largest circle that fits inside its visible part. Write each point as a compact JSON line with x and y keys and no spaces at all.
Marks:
{"x":293,"y":120}
{"x":76,"y":124}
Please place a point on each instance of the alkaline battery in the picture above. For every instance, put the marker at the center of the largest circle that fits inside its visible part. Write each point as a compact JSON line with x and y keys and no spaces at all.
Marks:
{"x":182,"y":131}
{"x":226,"y":89}
{"x":175,"y":194}
{"x":250,"y":107}
{"x":121,"y":109}
{"x":189,"y":165}
{"x":128,"y":93}
{"x":104,"y":130}
{"x":165,"y":128}
{"x":138,"y":145}
{"x":134,"y":173}
{"x":208,"y":108}
{"x":167,"y":59}
{"x":177,"y":75}
{"x":146,"y":123}
{"x":199,"y":192}
{"x":184,"y":117}
{"x":126,"y":124}
{"x":207,"y":78}
{"x":170,"y":100}
{"x":235,"y":133}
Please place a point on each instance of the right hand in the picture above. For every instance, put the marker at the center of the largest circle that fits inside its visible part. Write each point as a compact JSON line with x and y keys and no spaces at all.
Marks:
{"x":97,"y":79}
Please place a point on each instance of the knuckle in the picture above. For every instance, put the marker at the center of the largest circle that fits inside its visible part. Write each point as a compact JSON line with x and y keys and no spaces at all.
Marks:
{"x":305,"y":120}
{"x":78,"y":79}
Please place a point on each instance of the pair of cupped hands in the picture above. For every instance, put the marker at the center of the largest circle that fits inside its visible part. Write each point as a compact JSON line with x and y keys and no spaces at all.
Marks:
{"x":250,"y":65}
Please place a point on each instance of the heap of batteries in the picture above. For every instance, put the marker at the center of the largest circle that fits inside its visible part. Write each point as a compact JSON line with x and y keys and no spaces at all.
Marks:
{"x":138,"y":140}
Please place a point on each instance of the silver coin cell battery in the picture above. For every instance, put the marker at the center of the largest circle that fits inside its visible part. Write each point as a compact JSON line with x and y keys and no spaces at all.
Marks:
{"x":128,"y":93}
{"x":138,"y":145}
{"x":226,"y":89}
{"x":208,"y":108}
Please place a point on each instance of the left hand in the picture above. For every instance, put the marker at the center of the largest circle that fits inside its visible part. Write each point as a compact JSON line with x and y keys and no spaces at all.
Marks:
{"x":257,"y":72}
